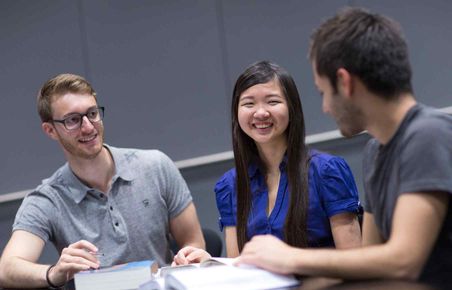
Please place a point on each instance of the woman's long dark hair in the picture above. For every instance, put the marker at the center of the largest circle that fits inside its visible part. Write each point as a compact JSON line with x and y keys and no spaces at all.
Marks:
{"x":245,"y":153}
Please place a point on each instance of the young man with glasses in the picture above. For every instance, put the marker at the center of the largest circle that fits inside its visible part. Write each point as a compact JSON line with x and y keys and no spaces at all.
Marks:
{"x":105,"y":206}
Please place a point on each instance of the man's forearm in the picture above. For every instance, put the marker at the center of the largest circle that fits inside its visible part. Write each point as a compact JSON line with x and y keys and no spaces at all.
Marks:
{"x":371,"y":262}
{"x":16,"y":272}
{"x":197,"y":243}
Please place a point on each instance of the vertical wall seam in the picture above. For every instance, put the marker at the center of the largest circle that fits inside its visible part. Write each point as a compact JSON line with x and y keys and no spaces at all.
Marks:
{"x":84,"y":40}
{"x":223,"y":47}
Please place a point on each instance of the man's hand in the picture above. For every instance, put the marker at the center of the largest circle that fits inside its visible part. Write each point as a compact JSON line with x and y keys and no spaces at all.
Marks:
{"x":268,"y":252}
{"x":189,"y":255}
{"x":76,"y":257}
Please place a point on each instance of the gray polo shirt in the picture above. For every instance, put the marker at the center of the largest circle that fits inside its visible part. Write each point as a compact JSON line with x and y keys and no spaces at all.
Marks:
{"x":129,"y":223}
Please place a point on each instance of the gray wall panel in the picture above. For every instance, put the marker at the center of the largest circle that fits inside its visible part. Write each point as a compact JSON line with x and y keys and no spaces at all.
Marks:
{"x":165,"y":69}
{"x":37,"y":39}
{"x":157,"y":66}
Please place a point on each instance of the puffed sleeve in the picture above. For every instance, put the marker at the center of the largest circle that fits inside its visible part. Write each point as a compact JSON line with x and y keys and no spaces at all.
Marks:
{"x":338,"y":188}
{"x":224,"y":192}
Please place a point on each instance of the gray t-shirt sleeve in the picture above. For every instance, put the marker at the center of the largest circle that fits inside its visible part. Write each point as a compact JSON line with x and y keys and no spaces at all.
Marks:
{"x":35,"y":215}
{"x":176,"y":193}
{"x":426,"y":161}
{"x":369,"y":155}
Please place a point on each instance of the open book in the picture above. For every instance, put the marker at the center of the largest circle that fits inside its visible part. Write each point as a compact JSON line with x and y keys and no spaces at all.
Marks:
{"x":218,"y":274}
{"x":118,"y":277}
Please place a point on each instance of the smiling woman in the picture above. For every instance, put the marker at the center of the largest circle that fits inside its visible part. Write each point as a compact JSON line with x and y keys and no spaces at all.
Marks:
{"x":279,"y":187}
{"x":263,"y":113}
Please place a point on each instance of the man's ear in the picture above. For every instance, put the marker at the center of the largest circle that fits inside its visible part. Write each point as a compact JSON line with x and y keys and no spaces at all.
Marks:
{"x":50,"y":130}
{"x":344,"y":82}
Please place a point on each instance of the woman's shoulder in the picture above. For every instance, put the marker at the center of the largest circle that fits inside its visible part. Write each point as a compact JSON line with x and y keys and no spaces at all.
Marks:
{"x":226,"y":180}
{"x":321,"y":158}
{"x":325,"y":162}
{"x":229,"y":175}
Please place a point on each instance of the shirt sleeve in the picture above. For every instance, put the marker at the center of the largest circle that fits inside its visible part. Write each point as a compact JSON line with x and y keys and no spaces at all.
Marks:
{"x":369,"y":156}
{"x":34,"y":216}
{"x":224,"y":192}
{"x":426,"y":158}
{"x":338,"y":188}
{"x":177,"y":194}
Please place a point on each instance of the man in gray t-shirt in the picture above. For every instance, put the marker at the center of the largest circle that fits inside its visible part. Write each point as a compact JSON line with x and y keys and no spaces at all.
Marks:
{"x":361,"y":68}
{"x":417,"y":159}
{"x":105,"y":206}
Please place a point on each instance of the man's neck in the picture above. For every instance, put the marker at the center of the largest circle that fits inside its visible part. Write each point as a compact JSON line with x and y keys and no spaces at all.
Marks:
{"x":384,"y":117}
{"x":96,"y":173}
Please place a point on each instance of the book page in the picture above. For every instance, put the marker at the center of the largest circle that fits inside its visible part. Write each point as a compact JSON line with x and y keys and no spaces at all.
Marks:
{"x":218,"y":261}
{"x":227,"y":277}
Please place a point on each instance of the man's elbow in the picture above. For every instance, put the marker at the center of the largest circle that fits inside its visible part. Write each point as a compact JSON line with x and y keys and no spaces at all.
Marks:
{"x":407,"y":269}
{"x":8,"y":276}
{"x":3,"y":274}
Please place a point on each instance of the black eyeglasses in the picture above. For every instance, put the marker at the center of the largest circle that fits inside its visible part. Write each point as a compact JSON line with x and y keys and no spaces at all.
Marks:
{"x":74,"y":121}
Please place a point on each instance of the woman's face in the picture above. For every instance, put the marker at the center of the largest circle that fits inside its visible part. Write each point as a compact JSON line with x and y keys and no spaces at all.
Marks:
{"x":263,"y":114}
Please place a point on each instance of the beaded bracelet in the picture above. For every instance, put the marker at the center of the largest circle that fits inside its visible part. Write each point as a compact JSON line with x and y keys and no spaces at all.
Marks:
{"x":51,"y":285}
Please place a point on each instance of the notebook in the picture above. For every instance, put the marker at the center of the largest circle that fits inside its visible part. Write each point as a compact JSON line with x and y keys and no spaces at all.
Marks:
{"x":119,"y":277}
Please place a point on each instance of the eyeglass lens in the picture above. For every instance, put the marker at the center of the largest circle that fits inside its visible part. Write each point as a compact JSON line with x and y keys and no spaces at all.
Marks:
{"x":75,"y":121}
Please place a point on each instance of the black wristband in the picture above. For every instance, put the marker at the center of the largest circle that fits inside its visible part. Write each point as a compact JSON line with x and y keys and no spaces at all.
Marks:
{"x":51,"y":285}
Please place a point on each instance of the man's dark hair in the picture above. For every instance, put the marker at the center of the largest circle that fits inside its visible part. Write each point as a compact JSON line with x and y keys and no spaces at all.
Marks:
{"x":367,"y":45}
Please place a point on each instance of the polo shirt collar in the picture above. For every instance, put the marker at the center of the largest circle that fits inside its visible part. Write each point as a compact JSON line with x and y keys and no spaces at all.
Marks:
{"x":121,"y":163}
{"x":77,"y":190}
{"x":73,"y":187}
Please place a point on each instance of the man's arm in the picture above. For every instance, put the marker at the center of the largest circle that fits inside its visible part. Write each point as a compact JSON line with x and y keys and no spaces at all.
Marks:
{"x":417,"y":220}
{"x":346,"y":231}
{"x":371,"y":236}
{"x":186,"y":230}
{"x":18,"y":267}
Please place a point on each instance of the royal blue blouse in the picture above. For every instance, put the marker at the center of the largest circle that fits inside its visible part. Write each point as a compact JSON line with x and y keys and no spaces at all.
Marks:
{"x":332,"y":190}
